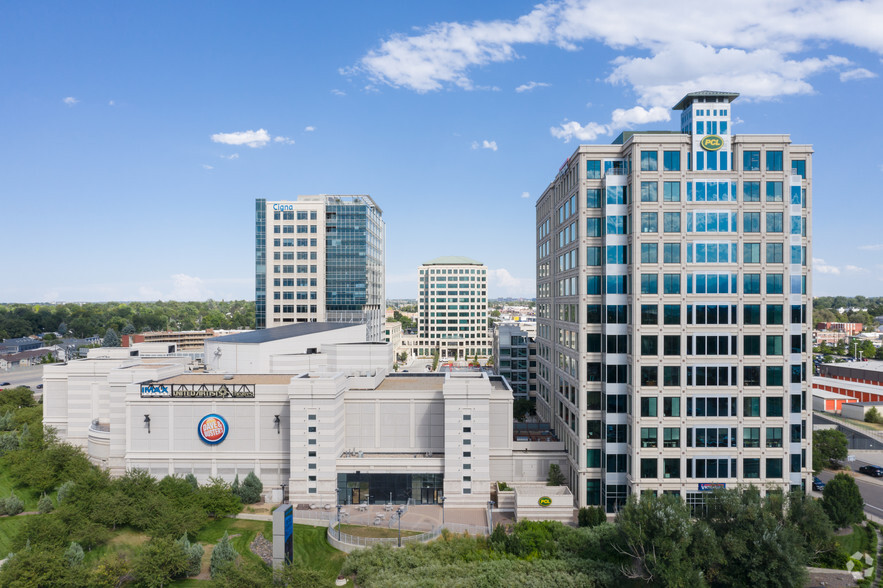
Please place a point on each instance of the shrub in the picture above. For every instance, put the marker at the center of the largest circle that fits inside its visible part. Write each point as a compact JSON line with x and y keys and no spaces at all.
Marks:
{"x":250,"y":489}
{"x":222,"y":556}
{"x":64,"y":490}
{"x":874,"y":416}
{"x":74,"y":554}
{"x":194,"y":552}
{"x":13,"y":505}
{"x":45,"y":505}
{"x":591,"y":516}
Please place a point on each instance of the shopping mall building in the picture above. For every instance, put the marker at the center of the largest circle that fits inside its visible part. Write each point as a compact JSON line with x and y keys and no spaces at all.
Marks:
{"x":312,"y":406}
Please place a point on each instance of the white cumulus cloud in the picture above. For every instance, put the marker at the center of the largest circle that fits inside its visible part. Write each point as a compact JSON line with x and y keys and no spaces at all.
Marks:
{"x":530,"y":86}
{"x":525,"y":194}
{"x":232,"y":156}
{"x":207,"y":166}
{"x":309,"y":129}
{"x":823,"y":268}
{"x":253,"y":139}
{"x":492,"y":145}
{"x":70,"y":100}
{"x":283,"y":140}
{"x":501,"y":283}
{"x":856,"y":74}
{"x":337,"y":92}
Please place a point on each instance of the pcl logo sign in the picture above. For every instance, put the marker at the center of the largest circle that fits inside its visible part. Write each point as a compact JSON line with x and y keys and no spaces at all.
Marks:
{"x":544,"y":501}
{"x":212,"y":429}
{"x":711,"y":143}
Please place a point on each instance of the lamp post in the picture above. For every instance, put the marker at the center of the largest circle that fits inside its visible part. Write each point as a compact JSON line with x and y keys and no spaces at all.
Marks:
{"x":338,"y":514}
{"x":443,"y":510}
{"x":399,"y":512}
{"x":283,"y":492}
{"x":490,"y":514}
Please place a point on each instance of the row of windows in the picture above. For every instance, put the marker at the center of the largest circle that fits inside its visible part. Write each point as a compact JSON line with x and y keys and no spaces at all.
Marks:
{"x":698,"y":375}
{"x":700,"y":314}
{"x":290,"y":215}
{"x":700,"y":283}
{"x":291,"y":229}
{"x":290,"y":242}
{"x":671,"y":160}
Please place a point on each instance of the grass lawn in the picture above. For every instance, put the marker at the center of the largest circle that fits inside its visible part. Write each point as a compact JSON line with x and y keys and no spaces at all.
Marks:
{"x":378,"y":532}
{"x":9,"y":526}
{"x":311,"y":548}
{"x":125,"y":541}
{"x":858,"y":540}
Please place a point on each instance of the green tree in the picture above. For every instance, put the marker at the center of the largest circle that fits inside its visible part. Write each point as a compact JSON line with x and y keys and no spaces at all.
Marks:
{"x":556,"y":477}
{"x":191,"y":479}
{"x":873,"y":416}
{"x":591,"y":516}
{"x":223,"y":555}
{"x":828,"y":445}
{"x":842,"y":501}
{"x":13,"y":505}
{"x":129,"y":329}
{"x":662,"y":543}
{"x":74,"y":554}
{"x":111,"y":339}
{"x":760,"y":548}
{"x":808,"y":516}
{"x":217,"y":498}
{"x":44,"y":506}
{"x":251,"y":488}
{"x":160,"y":561}
{"x":41,"y":566}
{"x":194,"y":553}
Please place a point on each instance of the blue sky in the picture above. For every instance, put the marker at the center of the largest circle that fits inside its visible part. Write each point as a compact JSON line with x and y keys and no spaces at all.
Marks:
{"x":136,"y":136}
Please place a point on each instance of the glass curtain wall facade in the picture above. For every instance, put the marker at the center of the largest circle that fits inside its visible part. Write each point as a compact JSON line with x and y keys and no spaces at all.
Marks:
{"x":320,"y":258}
{"x":673,"y":309}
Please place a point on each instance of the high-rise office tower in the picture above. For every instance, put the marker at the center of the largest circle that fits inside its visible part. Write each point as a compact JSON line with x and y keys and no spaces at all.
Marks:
{"x":452,"y":309}
{"x":320,"y":259}
{"x":673,"y":309}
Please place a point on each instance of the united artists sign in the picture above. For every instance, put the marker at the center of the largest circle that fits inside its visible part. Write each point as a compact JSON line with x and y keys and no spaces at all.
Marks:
{"x":213,"y":391}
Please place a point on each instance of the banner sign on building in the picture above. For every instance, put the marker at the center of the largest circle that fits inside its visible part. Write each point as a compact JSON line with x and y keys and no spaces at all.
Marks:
{"x":711,"y":143}
{"x":213,"y":391}
{"x":709,"y":486}
{"x":212,"y":429}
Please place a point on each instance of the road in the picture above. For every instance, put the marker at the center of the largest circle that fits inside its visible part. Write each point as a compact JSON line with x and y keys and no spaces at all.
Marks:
{"x":29,"y":376}
{"x":871,"y":488}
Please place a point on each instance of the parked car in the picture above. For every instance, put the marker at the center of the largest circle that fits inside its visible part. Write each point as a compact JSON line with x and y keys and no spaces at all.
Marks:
{"x":5,"y":384}
{"x":817,"y":484}
{"x":872,"y":470}
{"x":39,"y":386}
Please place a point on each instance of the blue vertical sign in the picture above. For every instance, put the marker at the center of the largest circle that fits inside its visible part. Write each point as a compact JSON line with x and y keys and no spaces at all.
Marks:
{"x":289,"y":535}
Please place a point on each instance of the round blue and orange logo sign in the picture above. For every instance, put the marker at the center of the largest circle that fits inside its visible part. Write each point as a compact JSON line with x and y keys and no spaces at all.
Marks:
{"x":212,"y":429}
{"x":711,"y":143}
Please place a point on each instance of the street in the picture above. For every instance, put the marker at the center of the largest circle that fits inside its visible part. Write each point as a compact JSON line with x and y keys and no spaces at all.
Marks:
{"x":28,"y":376}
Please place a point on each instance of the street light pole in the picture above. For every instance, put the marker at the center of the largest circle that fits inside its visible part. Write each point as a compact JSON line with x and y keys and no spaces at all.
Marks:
{"x":399,"y":512}
{"x":338,"y":514}
{"x":443,"y":510}
{"x":283,"y":493}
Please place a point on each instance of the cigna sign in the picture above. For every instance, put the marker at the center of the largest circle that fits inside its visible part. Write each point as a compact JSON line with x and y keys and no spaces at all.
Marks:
{"x":212,"y":429}
{"x":711,"y":143}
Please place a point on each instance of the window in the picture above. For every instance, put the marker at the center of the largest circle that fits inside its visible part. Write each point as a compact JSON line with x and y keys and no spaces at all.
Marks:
{"x":617,"y":433}
{"x":649,"y":375}
{"x":593,"y":227}
{"x":649,"y":467}
{"x":593,"y":458}
{"x":671,"y":222}
{"x":649,"y":161}
{"x":593,"y":429}
{"x":617,"y":254}
{"x":751,"y":467}
{"x":774,"y":436}
{"x":593,"y":256}
{"x":593,"y":198}
{"x":751,"y":436}
{"x":774,"y":314}
{"x":751,"y":191}
{"x":798,"y":167}
{"x":671,"y":437}
{"x":751,"y":221}
{"x":774,"y":283}
{"x":649,"y":283}
{"x":671,"y":253}
{"x":617,"y":225}
{"x":671,"y":160}
{"x":774,"y":222}
{"x":751,"y":407}
{"x":616,"y":463}
{"x":649,"y":222}
{"x":671,"y":407}
{"x":751,"y":376}
{"x":593,"y":284}
{"x":671,"y":192}
{"x":751,"y":314}
{"x":751,"y":344}
{"x":774,"y":191}
{"x":649,"y":191}
{"x":649,"y":344}
{"x":671,"y":283}
{"x":648,"y":407}
{"x":593,"y":169}
{"x":671,"y":314}
{"x":774,"y":252}
{"x":774,"y":161}
{"x":774,"y":406}
{"x":774,"y":376}
{"x":649,"y":314}
{"x":751,"y":283}
{"x":751,"y":161}
{"x":671,"y":375}
{"x":649,"y":437}
{"x":671,"y":467}
{"x":774,"y":467}
{"x":593,"y":314}
{"x":751,"y":252}
{"x":649,"y":252}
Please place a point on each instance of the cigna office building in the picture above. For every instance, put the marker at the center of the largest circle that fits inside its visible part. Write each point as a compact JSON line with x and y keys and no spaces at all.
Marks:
{"x":673,"y":309}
